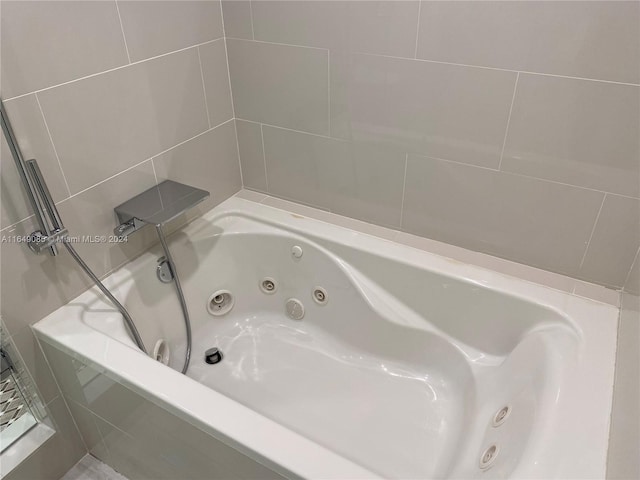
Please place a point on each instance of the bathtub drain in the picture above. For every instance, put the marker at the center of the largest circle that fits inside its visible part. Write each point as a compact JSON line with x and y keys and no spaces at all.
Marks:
{"x":213,"y":356}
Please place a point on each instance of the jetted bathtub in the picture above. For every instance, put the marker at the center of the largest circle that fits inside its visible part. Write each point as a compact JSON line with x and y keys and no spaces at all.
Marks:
{"x":349,"y":356}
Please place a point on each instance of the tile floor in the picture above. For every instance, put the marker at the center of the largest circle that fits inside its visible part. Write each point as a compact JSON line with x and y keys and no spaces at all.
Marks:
{"x":90,"y":468}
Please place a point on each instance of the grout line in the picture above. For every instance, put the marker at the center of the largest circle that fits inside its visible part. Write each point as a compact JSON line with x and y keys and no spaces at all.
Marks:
{"x":504,"y":172}
{"x":204,"y":88}
{"x":491,"y":68}
{"x":297,"y":131}
{"x":13,"y":225}
{"x":147,"y":160}
{"x":153,"y":166}
{"x":415,"y":53}
{"x":453,"y":161}
{"x":277,"y":196}
{"x":506,"y":131}
{"x":189,"y":139}
{"x":226,"y":57}
{"x":235,"y":128}
{"x":233,"y":107}
{"x":55,"y":151}
{"x":237,"y":39}
{"x":264,"y":158}
{"x":253,"y":33}
{"x":404,"y":186}
{"x":112,"y":69}
{"x":635,"y":260}
{"x":318,"y":48}
{"x":586,"y":250}
{"x":124,"y":37}
{"x":329,"y":92}
{"x":105,"y":180}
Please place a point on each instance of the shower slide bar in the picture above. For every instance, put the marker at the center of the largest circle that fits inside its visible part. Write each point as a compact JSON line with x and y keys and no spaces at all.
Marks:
{"x":51,"y":228}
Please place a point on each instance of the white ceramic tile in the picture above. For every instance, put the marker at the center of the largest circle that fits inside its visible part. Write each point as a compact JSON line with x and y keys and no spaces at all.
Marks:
{"x":615,"y":242}
{"x":155,"y":27}
{"x":237,"y":18}
{"x":577,"y":132}
{"x":593,"y":39}
{"x":45,"y":43}
{"x":351,"y":179}
{"x":280,"y":85}
{"x":444,"y":111}
{"x":518,"y":270}
{"x":58,"y":454}
{"x":105,"y":124}
{"x":383,"y":27}
{"x":90,"y":468}
{"x":254,"y":174}
{"x":633,"y":281}
{"x":36,"y":364}
{"x":87,"y":428}
{"x":90,"y":218}
{"x":216,"y":81}
{"x":34,"y":142}
{"x":543,"y":224}
{"x":209,"y":161}
{"x":39,"y":283}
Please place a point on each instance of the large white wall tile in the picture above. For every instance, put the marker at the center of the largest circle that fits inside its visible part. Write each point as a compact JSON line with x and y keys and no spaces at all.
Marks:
{"x":107,"y":123}
{"x":633,"y":281}
{"x":347,"y":178}
{"x":592,"y":39}
{"x":45,"y":43}
{"x":237,"y":18}
{"x":577,"y":132}
{"x":90,"y":214}
{"x":519,"y":218}
{"x":59,"y":453}
{"x":34,"y":142}
{"x":155,"y":27}
{"x":215,"y":74}
{"x":444,"y":111}
{"x":615,"y":241}
{"x":254,"y":174}
{"x":383,"y":27}
{"x":280,"y":85}
{"x":209,"y":161}
{"x":35,"y":285}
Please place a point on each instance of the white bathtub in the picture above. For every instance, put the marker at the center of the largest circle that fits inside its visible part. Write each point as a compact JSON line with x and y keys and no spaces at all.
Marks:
{"x":399,"y":375}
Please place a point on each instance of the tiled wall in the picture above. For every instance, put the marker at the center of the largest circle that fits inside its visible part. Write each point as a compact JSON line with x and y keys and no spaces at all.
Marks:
{"x":111,"y":98}
{"x":509,"y":128}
